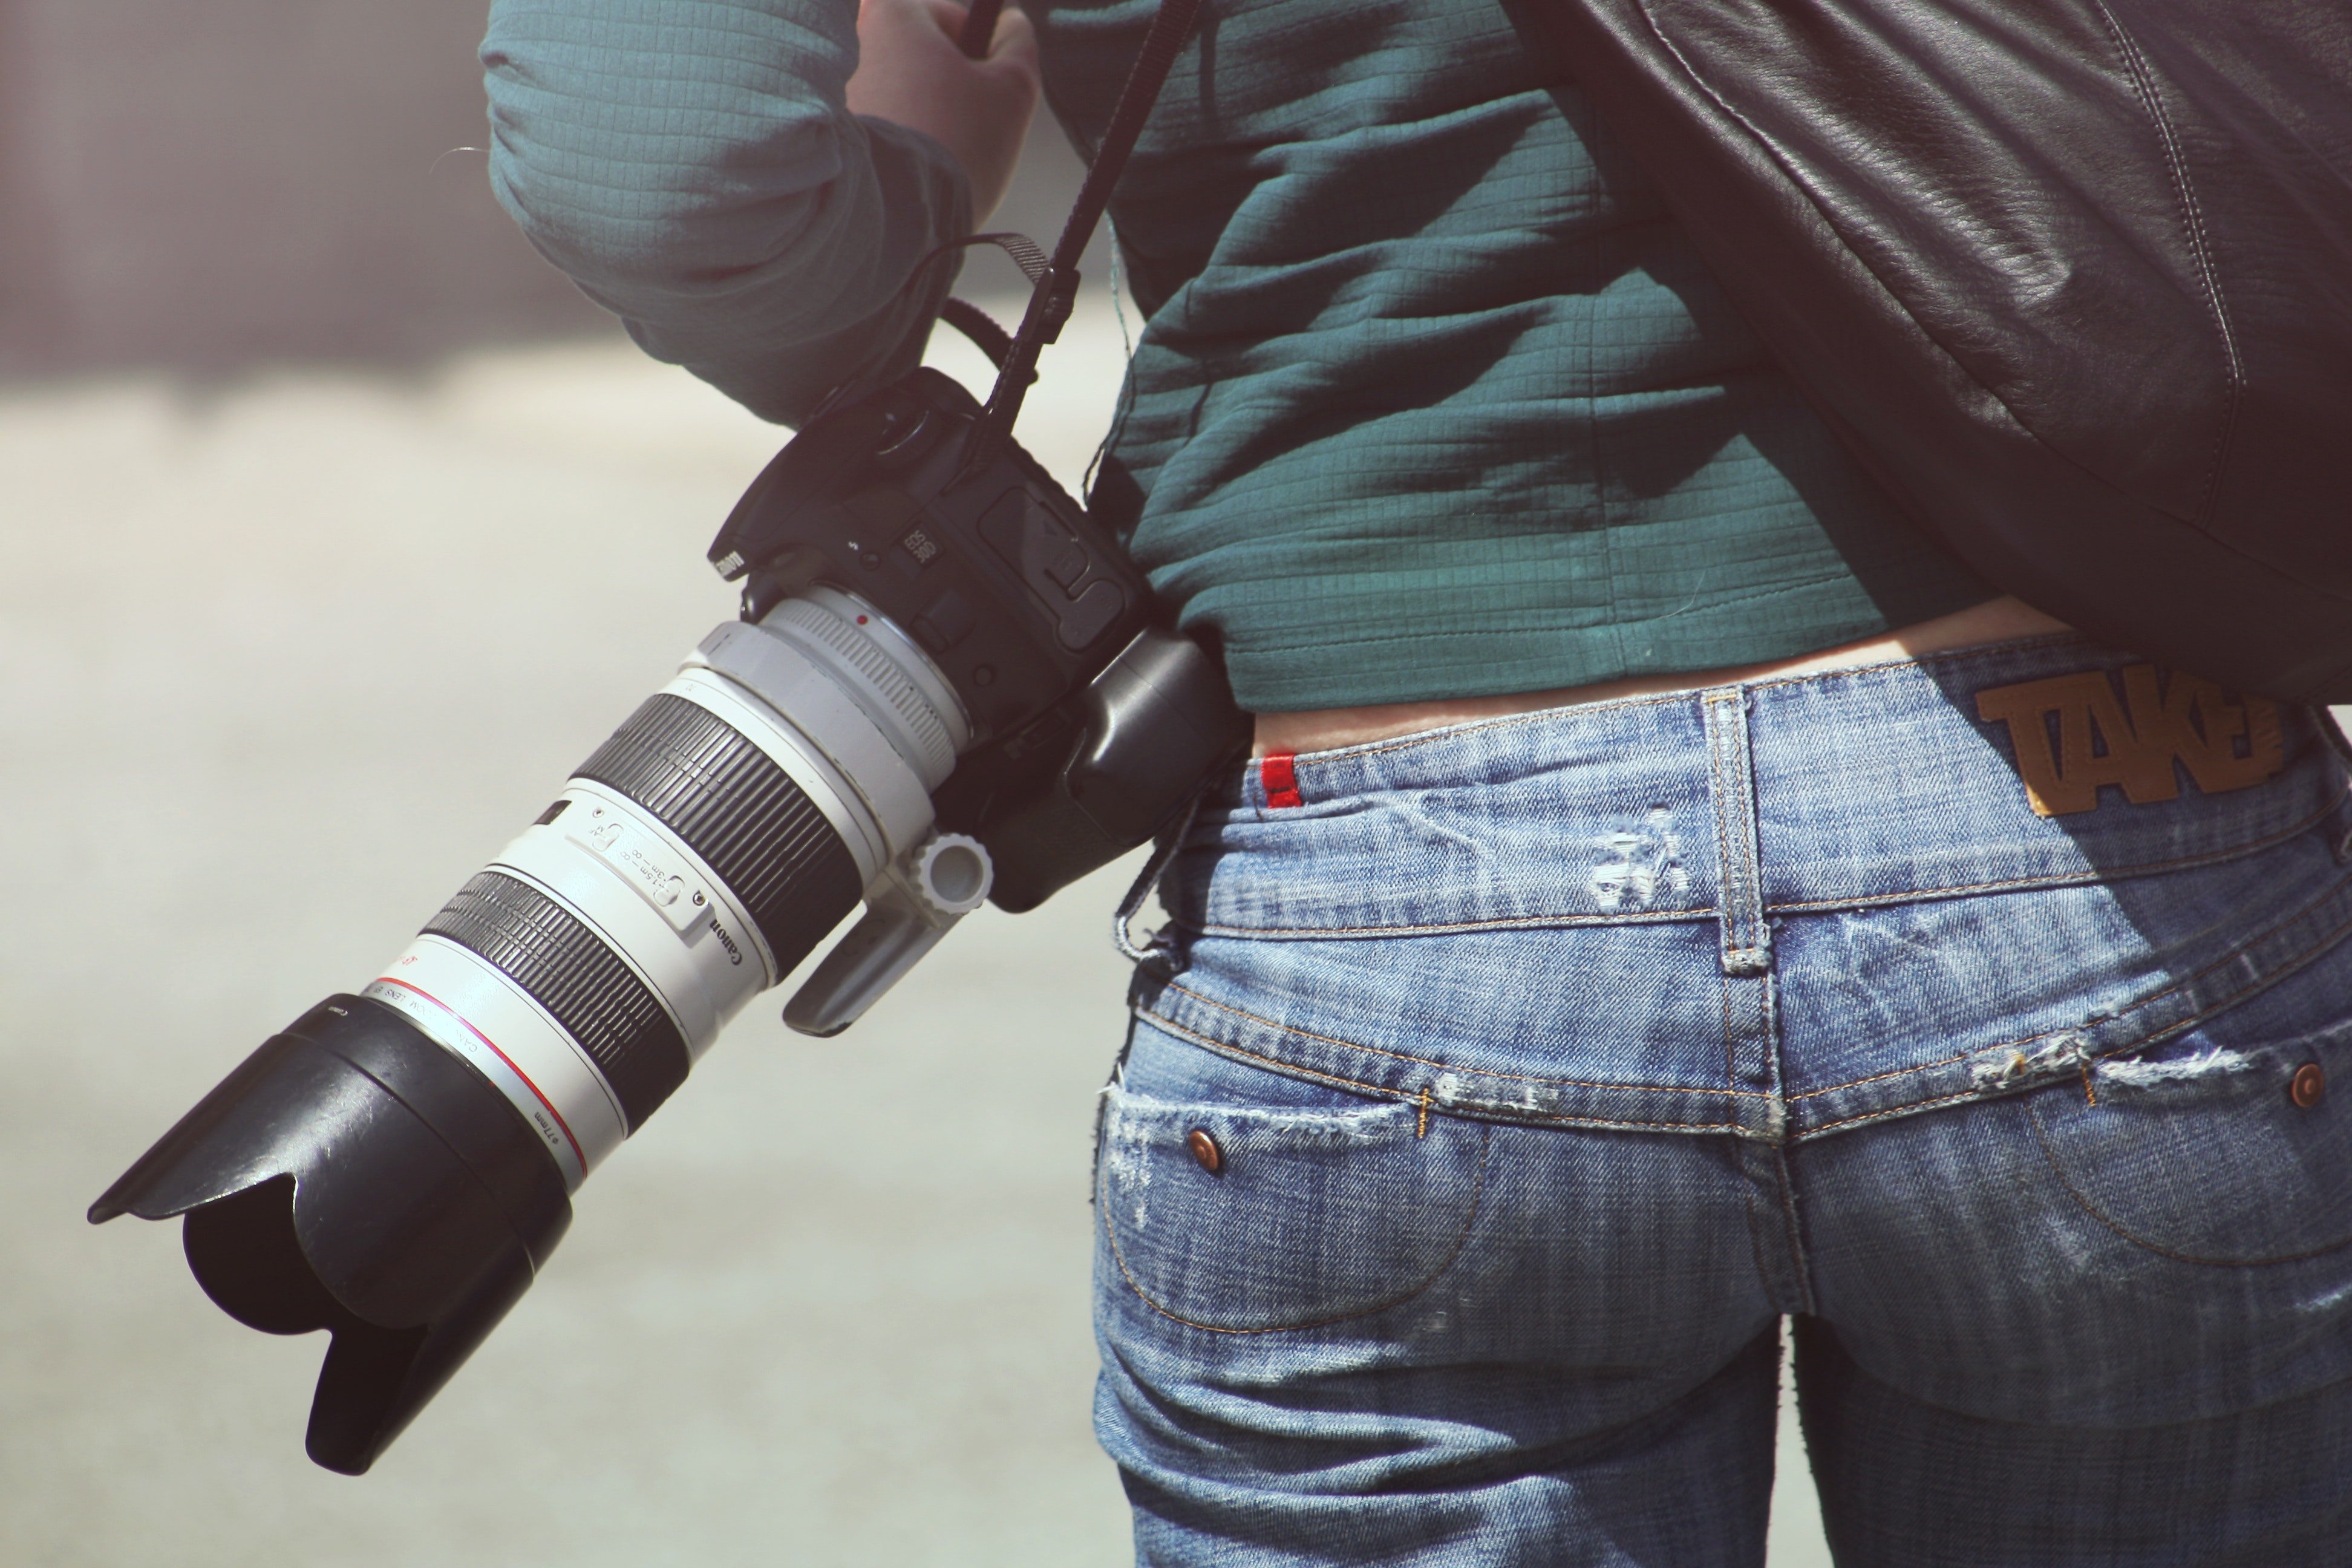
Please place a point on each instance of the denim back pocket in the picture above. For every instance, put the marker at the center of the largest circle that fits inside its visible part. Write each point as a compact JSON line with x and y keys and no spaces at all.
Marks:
{"x":2206,"y":1152}
{"x":1247,"y":1221}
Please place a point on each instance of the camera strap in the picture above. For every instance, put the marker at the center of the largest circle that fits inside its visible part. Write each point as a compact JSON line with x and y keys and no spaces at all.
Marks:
{"x":1053,"y":279}
{"x":1054,"y":286}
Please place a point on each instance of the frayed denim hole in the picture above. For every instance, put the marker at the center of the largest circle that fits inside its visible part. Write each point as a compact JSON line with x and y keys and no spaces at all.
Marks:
{"x":1362,"y":1125}
{"x":2197,"y":1152}
{"x":2209,"y":1073}
{"x":2222,"y":1061}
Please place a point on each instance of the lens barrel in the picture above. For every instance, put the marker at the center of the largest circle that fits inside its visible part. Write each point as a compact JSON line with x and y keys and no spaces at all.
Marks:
{"x":692,"y":862}
{"x":731,"y":804}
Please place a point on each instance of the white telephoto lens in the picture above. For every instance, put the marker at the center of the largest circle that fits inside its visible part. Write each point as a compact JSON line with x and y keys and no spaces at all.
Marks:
{"x":689,"y":864}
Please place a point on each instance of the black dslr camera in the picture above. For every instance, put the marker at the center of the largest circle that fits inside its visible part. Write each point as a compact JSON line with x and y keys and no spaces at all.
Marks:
{"x":947,"y":684}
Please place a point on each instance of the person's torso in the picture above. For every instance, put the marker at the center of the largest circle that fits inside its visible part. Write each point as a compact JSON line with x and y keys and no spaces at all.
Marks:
{"x":1435,"y":399}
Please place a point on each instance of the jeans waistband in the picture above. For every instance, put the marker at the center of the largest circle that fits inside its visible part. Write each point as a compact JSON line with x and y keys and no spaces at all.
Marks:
{"x":2010,"y":766}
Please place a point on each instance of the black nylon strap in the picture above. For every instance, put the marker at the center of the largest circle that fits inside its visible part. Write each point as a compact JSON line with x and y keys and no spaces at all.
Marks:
{"x":979,"y":32}
{"x":979,"y":326}
{"x":969,"y":319}
{"x":1056,"y":291}
{"x":1053,"y":279}
{"x":1026,"y":253}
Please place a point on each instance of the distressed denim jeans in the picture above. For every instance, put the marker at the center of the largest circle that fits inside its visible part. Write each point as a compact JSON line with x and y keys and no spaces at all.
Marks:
{"x":1491,"y":1101}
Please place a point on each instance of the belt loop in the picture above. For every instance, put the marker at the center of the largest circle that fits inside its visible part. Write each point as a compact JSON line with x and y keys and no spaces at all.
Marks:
{"x":1278,"y":776}
{"x":1746,"y":939}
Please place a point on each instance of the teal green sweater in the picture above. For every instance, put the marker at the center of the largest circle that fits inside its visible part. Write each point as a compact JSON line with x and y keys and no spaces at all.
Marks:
{"x":1433,"y":398}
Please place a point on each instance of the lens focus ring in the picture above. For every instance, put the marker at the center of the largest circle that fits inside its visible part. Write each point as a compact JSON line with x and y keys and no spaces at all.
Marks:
{"x":569,"y":970}
{"x":730,"y":803}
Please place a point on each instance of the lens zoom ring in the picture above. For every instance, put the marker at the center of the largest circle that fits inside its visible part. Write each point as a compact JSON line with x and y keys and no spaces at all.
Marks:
{"x":568,"y":971}
{"x":741,"y":813}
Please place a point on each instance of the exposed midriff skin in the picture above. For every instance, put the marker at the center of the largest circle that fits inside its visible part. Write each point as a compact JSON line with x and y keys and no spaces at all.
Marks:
{"x":1323,"y":729}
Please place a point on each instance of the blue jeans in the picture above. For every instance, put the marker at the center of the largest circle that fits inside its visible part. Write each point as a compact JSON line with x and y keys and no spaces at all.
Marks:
{"x":1487,"y":1111}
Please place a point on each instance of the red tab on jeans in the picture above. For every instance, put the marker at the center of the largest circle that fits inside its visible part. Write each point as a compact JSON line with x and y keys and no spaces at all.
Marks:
{"x":1280,"y":779}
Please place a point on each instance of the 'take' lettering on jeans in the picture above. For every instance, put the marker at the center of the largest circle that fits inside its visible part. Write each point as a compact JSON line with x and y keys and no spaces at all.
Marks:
{"x":2132,"y":743}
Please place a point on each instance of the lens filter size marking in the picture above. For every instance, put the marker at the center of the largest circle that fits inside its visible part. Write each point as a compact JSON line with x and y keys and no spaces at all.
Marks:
{"x":424,"y":1008}
{"x":471,"y":1010}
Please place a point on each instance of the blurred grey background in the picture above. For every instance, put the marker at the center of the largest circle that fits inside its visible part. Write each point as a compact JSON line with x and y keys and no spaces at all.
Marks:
{"x":334,"y":528}
{"x":207,"y":187}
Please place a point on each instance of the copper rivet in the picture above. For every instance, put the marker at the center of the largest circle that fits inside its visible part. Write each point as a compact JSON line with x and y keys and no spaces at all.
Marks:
{"x":1212,"y":1158}
{"x":2310,"y":1081}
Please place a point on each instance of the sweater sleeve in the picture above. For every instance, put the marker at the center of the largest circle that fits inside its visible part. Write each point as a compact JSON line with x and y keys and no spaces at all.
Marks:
{"x":691,"y":164}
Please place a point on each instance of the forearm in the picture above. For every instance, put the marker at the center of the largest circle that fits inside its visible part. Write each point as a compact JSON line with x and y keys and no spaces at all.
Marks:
{"x":691,"y":164}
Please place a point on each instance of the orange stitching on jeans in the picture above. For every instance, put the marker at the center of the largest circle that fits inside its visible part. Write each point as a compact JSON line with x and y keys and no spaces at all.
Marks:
{"x":1730,"y":1051}
{"x":1529,"y":1115}
{"x":1213,"y":1043}
{"x":1722,"y":873}
{"x":1444,"y":1067}
{"x":1502,"y":923}
{"x":1478,"y":1197}
{"x":1976,"y":1051}
{"x":1516,"y":1113}
{"x":1892,"y":1111}
{"x":1420,"y":1127}
{"x":1523,"y":1114}
{"x":1500,"y":1112}
{"x":1744,"y":838}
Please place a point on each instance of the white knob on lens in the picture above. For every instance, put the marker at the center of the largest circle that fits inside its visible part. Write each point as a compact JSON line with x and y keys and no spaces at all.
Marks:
{"x":953,"y":873}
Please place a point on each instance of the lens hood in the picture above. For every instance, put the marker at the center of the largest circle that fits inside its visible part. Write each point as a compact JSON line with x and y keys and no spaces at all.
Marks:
{"x":352,"y":1175}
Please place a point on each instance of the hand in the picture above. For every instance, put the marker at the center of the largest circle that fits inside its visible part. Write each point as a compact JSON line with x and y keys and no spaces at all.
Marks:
{"x":910,"y":72}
